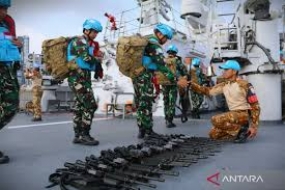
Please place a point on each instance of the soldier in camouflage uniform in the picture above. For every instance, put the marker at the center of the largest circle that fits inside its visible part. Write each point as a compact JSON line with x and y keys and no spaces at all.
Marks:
{"x":199,"y":78}
{"x":243,"y":118}
{"x":9,"y":87}
{"x":79,"y":81}
{"x":153,"y":60}
{"x":169,"y":90}
{"x":36,"y":77}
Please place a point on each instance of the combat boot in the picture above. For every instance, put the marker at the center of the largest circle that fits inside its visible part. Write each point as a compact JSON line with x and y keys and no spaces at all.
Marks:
{"x":141,"y":133}
{"x":170,"y":124}
{"x":3,"y":158}
{"x":86,"y":139}
{"x":150,"y":132}
{"x":37,"y":119}
{"x":77,"y":135}
{"x":242,"y":134}
{"x":195,"y":114}
{"x":198,"y":115}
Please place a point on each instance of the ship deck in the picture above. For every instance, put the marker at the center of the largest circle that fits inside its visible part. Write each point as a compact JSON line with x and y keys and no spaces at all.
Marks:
{"x":37,"y":149}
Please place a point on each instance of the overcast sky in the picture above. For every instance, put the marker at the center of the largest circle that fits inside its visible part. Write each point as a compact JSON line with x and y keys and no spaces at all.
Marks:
{"x":42,"y":19}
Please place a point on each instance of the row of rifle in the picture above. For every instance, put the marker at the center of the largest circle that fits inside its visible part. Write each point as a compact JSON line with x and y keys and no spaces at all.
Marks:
{"x":134,"y":166}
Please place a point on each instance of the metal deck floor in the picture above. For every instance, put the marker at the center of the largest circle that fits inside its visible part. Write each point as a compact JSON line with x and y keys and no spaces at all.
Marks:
{"x":37,"y":149}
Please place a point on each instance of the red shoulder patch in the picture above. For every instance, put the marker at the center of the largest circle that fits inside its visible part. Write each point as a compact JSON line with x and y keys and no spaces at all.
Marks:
{"x":251,"y":95}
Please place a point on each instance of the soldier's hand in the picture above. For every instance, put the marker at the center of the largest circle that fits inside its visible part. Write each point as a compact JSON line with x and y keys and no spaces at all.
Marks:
{"x":101,"y":54}
{"x":183,"y":83}
{"x":252,"y":130}
{"x":17,"y":42}
{"x":139,"y":71}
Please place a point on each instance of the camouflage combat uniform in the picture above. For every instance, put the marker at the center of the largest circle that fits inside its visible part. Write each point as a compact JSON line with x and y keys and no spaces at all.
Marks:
{"x":143,"y":86}
{"x":9,"y":86}
{"x":9,"y":93}
{"x":37,"y":93}
{"x":80,"y":83}
{"x":198,"y":77}
{"x":170,"y":92}
{"x":243,"y":105}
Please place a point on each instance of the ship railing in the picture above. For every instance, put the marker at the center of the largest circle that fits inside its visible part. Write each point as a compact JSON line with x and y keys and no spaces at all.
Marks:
{"x":130,"y":23}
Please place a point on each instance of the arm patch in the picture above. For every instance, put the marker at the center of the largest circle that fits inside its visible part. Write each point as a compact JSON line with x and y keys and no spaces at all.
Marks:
{"x":251,"y":95}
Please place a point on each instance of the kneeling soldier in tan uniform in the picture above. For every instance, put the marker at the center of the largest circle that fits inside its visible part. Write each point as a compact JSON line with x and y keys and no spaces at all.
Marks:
{"x":243,"y":118}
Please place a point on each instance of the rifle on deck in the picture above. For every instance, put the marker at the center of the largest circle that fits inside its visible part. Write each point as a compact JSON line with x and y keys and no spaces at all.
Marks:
{"x":127,"y":167}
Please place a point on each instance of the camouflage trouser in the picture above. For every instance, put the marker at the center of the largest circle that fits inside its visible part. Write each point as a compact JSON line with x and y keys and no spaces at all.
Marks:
{"x":85,"y":104}
{"x":143,"y":88}
{"x":227,"y":125}
{"x":9,"y":94}
{"x":37,"y":96}
{"x":169,"y":99}
{"x":197,"y":100}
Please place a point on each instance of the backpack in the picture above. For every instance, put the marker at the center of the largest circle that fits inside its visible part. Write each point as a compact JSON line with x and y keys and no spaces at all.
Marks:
{"x":55,"y":57}
{"x":130,"y":50}
{"x":170,"y":62}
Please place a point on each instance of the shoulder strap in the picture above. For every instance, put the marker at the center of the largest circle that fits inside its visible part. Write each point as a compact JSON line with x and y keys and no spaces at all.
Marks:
{"x":70,"y":40}
{"x":153,"y":40}
{"x":69,"y":55}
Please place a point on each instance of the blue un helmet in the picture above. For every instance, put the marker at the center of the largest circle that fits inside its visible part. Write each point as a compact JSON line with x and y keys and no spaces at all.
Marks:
{"x":5,"y":3}
{"x":196,"y":62}
{"x":172,"y":49}
{"x":165,"y":30}
{"x":92,"y":24}
{"x":230,"y":64}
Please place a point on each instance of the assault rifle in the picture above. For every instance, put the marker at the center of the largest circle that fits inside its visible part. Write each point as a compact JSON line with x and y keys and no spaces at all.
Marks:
{"x":127,"y":167}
